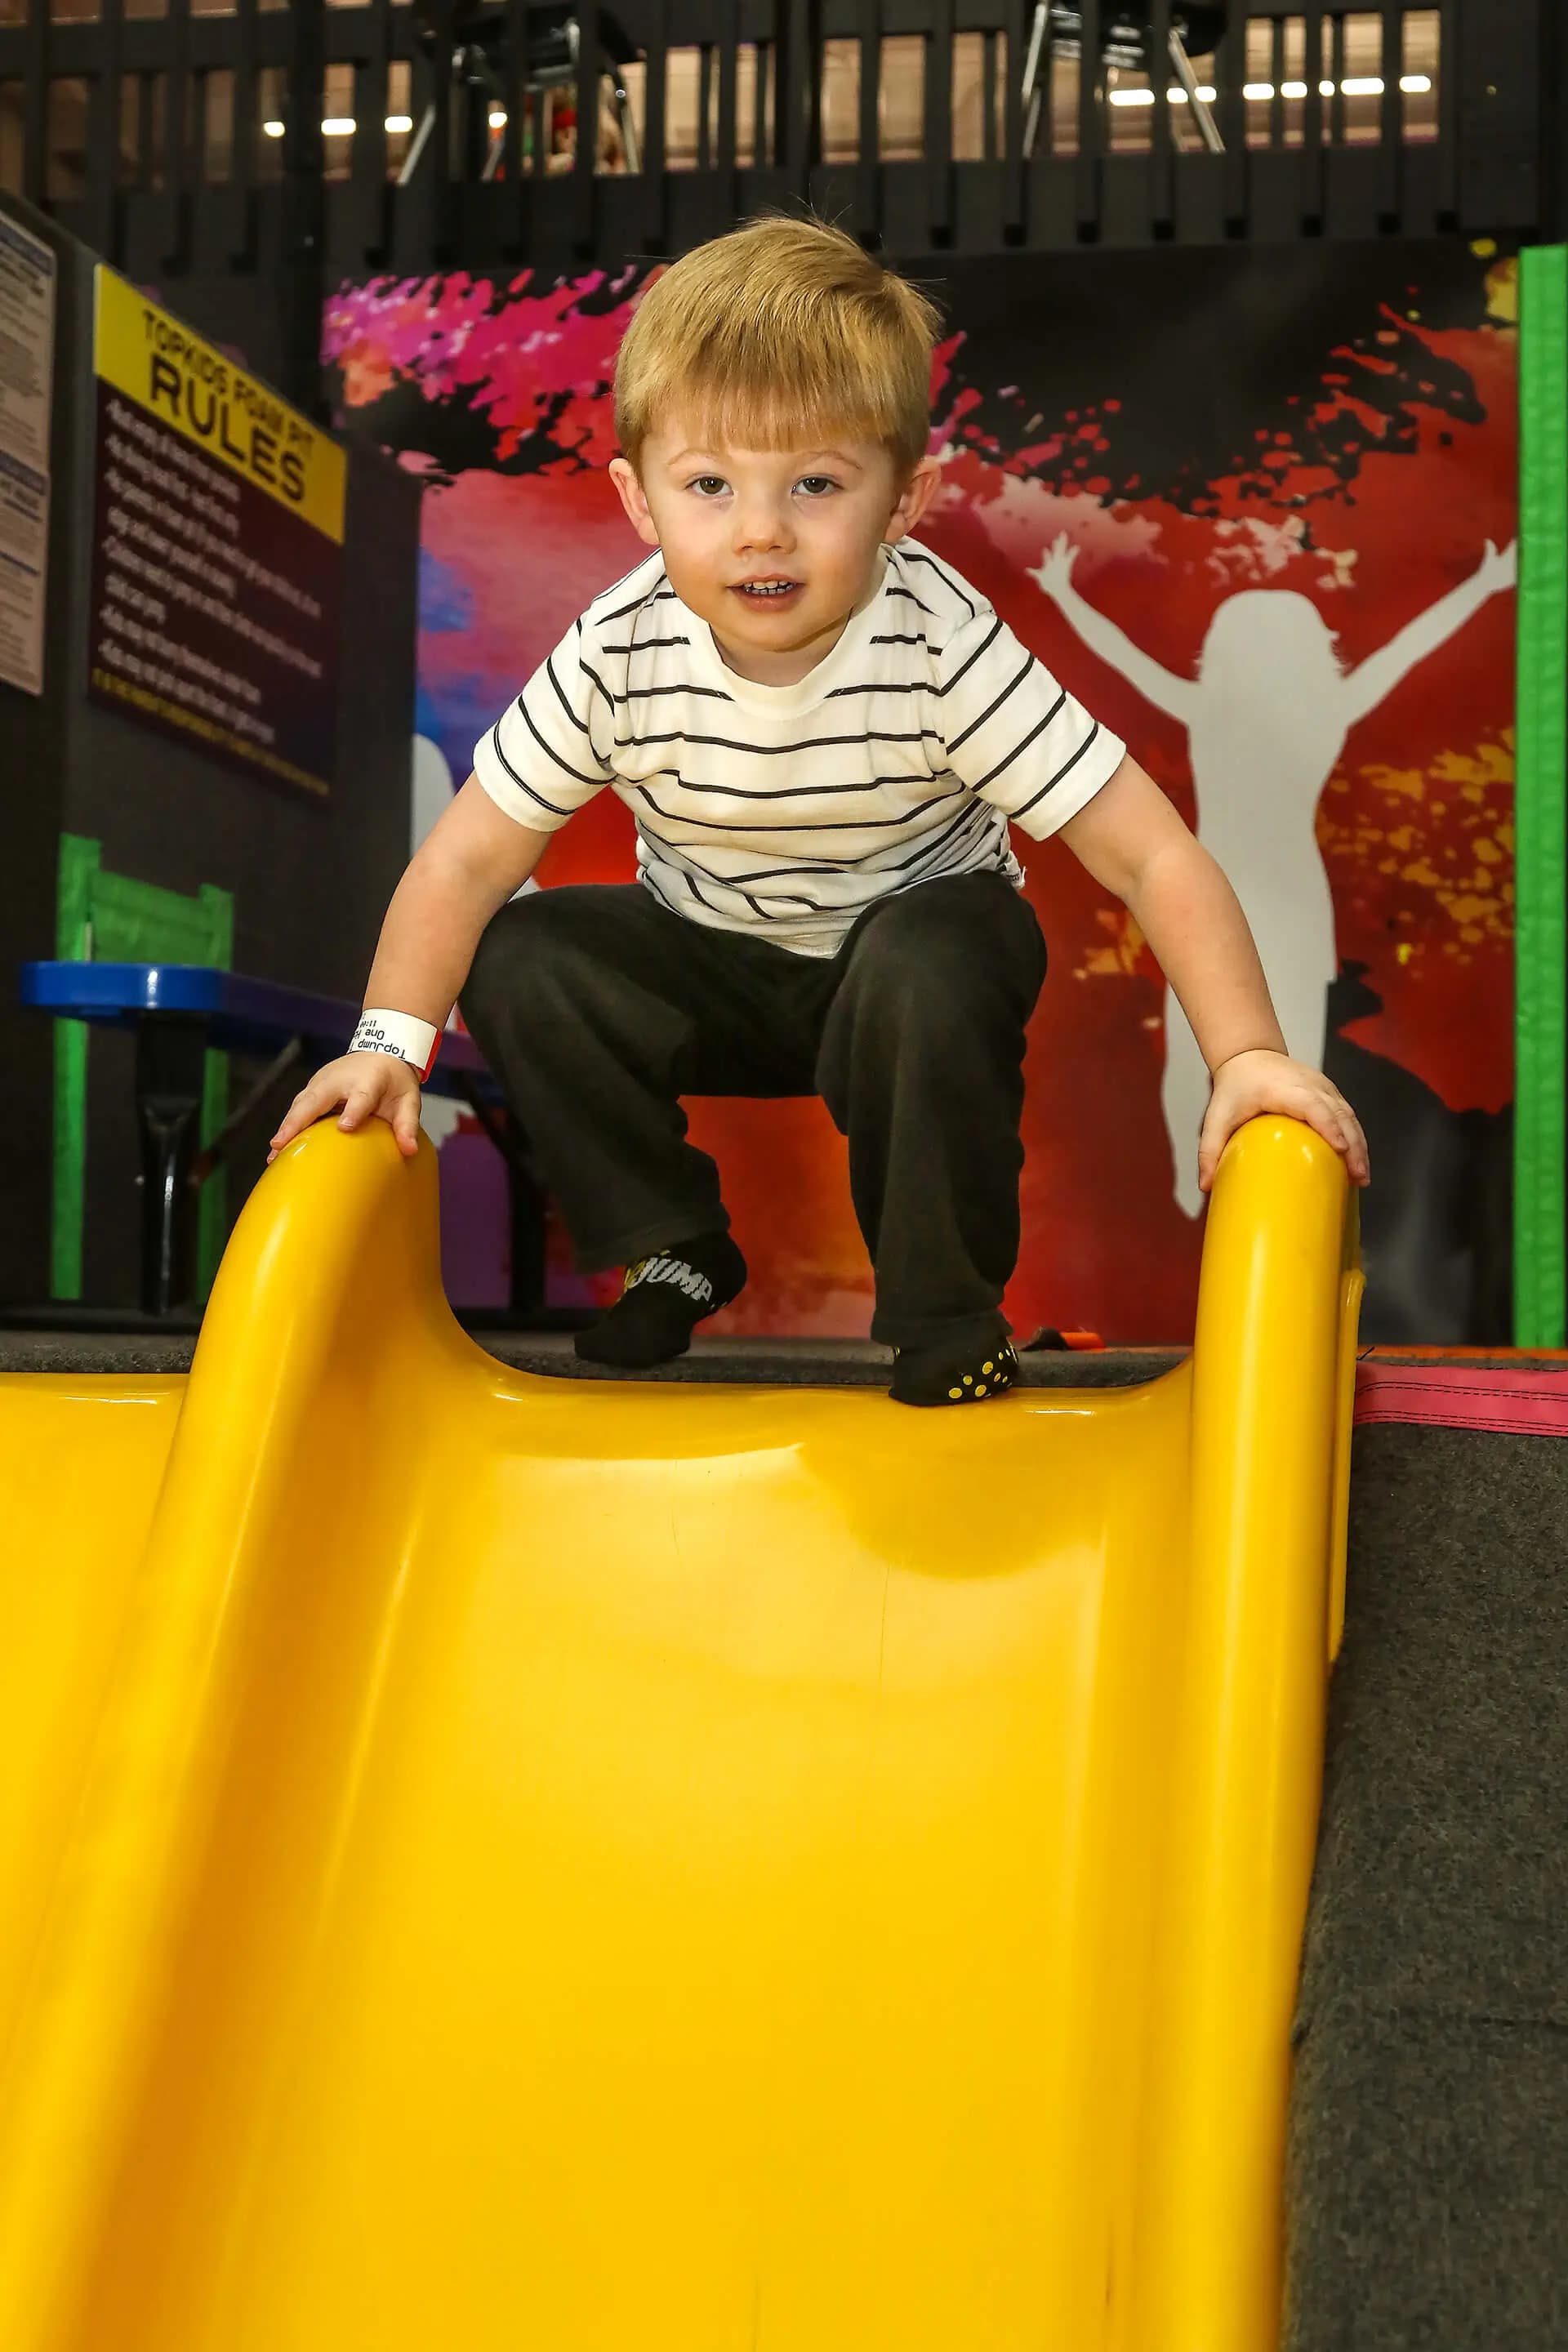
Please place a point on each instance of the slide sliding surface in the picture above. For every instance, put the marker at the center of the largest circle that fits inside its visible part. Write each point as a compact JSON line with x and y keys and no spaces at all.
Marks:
{"x":498,"y":1862}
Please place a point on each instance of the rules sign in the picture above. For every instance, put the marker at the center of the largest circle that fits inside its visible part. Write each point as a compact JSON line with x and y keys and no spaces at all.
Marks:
{"x":217,"y":549}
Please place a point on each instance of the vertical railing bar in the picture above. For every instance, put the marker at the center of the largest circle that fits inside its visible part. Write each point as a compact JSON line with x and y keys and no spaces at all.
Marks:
{"x":1448,"y":109}
{"x":797,"y":66}
{"x":654,"y":159}
{"x":367,"y":166}
{"x":868,"y":161}
{"x":1391,"y":121}
{"x":176,"y":135}
{"x":1162,"y":191}
{"x":515,"y":103}
{"x":728,"y":46}
{"x":586,"y":163}
{"x":1312,"y":110}
{"x":938,"y":134}
{"x":1277,"y":79}
{"x":1230,"y":67}
{"x":103,"y":136}
{"x":1092,"y":112}
{"x":304,"y":207}
{"x":1013,"y":119}
{"x":243,"y":137}
{"x":1337,"y":75}
{"x":36,"y":104}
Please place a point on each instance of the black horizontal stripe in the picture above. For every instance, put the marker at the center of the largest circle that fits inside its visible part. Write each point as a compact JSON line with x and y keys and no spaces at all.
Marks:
{"x":565,"y":764}
{"x":651,"y":596}
{"x":883,"y":685}
{"x":913,"y":599}
{"x":991,"y":708}
{"x":646,"y":646}
{"x":642,"y":693}
{"x":521,"y":784}
{"x":785,"y":751}
{"x":1061,"y":771}
{"x":917,"y":638}
{"x":848,"y":825}
{"x":985,"y":643}
{"x":783,"y":792}
{"x":919,"y":555}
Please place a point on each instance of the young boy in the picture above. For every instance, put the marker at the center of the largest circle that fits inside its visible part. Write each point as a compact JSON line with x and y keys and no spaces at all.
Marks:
{"x":824,"y":734}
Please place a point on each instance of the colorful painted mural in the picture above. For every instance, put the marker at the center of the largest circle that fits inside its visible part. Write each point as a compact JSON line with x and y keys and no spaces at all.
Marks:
{"x":1257,"y":510}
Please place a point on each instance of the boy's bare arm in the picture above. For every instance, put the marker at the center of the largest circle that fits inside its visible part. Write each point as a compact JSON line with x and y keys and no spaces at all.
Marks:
{"x":1132,"y":841}
{"x":471,"y":863}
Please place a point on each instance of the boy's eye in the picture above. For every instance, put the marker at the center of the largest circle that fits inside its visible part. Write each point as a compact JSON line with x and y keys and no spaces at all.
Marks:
{"x":816,"y":482}
{"x":707,"y":483}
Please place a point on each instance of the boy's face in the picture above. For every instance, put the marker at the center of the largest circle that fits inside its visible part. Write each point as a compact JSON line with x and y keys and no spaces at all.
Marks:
{"x":808,"y":520}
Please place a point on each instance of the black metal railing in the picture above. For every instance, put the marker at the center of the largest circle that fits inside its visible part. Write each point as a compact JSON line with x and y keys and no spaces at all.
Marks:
{"x":178,"y":137}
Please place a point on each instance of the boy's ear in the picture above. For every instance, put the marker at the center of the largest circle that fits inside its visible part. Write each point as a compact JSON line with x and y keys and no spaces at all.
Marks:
{"x":634,"y":498}
{"x":915,"y":498}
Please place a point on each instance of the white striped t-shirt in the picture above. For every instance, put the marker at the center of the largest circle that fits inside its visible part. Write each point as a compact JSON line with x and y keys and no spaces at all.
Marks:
{"x":782,"y":811}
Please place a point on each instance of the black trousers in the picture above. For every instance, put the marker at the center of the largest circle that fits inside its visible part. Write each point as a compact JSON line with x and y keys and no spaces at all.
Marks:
{"x":597,"y":1010}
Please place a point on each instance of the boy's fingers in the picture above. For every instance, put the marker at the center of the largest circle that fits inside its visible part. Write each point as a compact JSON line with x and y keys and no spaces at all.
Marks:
{"x":358,"y":1105}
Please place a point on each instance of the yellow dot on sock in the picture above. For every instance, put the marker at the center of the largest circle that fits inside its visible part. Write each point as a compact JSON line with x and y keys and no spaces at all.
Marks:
{"x":955,"y":1392}
{"x":969,"y":1379}
{"x":988,"y":1369}
{"x":981,"y":1390}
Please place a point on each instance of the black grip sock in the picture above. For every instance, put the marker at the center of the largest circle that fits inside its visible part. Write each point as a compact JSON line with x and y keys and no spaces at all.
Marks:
{"x":665,"y":1297}
{"x":953,"y":1375}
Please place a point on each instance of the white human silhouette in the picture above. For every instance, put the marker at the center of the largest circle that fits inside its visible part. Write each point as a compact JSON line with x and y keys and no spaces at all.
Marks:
{"x":1267,"y":717}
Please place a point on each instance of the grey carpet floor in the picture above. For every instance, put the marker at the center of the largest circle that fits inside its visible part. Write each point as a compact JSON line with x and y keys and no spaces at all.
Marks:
{"x":1429,"y":2164}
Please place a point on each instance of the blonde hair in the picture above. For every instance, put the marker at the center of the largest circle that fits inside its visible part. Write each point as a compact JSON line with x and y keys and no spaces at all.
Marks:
{"x":778,"y":332}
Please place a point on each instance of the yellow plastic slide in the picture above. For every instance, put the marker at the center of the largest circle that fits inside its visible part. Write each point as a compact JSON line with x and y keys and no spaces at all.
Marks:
{"x":490,"y":1863}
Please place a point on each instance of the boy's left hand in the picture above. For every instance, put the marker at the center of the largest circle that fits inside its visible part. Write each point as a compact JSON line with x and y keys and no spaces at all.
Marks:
{"x":1261,"y":1081}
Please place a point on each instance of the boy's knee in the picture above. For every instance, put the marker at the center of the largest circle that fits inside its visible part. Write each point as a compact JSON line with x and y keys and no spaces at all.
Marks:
{"x":936,"y":948}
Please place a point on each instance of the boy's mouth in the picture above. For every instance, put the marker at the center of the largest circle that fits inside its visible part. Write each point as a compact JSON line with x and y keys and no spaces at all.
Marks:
{"x":758,"y":592}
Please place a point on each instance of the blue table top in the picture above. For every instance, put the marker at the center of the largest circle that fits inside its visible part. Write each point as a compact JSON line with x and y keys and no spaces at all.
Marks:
{"x":243,"y":1014}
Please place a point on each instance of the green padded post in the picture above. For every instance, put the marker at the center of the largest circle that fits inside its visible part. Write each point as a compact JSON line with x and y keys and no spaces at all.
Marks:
{"x":1539,"y":1277}
{"x":73,"y":944}
{"x":108,"y":917}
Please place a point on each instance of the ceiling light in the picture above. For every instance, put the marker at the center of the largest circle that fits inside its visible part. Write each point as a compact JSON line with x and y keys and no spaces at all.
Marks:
{"x":1257,"y":90}
{"x":1416,"y":84}
{"x":1178,"y":97}
{"x":1131,"y":97}
{"x":273,"y":130}
{"x":1292,"y":89}
{"x":395,"y":122}
{"x":1362,"y":86}
{"x":1325,"y":89}
{"x":338,"y":126}
{"x":497,"y":118}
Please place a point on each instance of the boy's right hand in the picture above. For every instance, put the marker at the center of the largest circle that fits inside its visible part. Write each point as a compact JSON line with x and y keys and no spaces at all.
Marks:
{"x":366,"y":1085}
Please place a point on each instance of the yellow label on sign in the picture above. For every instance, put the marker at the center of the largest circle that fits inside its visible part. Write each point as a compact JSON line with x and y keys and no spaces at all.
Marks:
{"x":156,"y":361}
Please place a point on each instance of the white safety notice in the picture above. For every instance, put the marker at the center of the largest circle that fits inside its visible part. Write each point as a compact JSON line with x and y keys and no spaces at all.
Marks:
{"x":27,"y":276}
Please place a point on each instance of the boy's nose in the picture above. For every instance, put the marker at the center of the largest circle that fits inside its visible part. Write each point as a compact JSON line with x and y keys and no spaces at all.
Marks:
{"x":761,"y":528}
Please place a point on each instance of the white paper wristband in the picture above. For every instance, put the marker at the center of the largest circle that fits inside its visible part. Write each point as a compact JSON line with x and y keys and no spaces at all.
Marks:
{"x":414,"y":1042}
